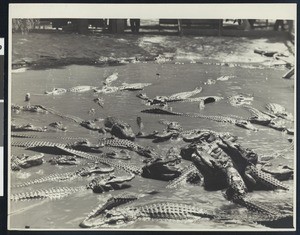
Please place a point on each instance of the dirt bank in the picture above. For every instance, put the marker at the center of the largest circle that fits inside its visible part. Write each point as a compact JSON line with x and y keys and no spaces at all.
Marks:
{"x":47,"y":50}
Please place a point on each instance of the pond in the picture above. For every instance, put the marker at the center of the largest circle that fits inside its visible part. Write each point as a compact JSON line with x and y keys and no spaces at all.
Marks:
{"x":265,"y":85}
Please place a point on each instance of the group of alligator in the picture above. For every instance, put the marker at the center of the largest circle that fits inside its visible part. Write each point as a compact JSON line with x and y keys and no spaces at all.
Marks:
{"x":217,"y":162}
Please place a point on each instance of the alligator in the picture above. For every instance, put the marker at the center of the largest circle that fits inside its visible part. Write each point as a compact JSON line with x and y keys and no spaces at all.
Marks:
{"x":122,"y":155}
{"x":26,"y":136}
{"x":27,"y":127}
{"x":182,"y":96}
{"x":79,"y":89}
{"x":28,"y":108}
{"x":189,"y":174}
{"x":68,"y":176}
{"x":281,"y":173}
{"x":110,"y":182}
{"x":238,"y":100}
{"x":58,"y":126}
{"x":111,"y":78}
{"x":219,"y":172}
{"x":64,"y":160}
{"x":56,"y":91}
{"x":119,"y":128}
{"x":158,"y":210}
{"x":127,"y":144}
{"x":245,"y":161}
{"x":96,"y":158}
{"x":49,"y":193}
{"x":99,"y":101}
{"x":106,"y":89}
{"x":91,"y":125}
{"x":26,"y":161}
{"x":133,"y":86}
{"x":85,"y":146}
{"x":279,"y":111}
{"x":267,"y":119}
{"x":238,"y":122}
{"x":163,"y":168}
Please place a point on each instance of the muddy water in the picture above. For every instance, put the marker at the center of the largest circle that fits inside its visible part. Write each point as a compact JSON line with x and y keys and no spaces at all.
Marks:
{"x":265,"y":85}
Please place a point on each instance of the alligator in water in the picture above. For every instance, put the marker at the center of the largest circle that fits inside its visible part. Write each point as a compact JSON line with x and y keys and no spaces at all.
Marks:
{"x":133,"y":86}
{"x":27,"y":127}
{"x":111,"y":78}
{"x":68,"y":176}
{"x":56,"y":91}
{"x":110,"y":182}
{"x":238,"y":122}
{"x":58,"y":126}
{"x":108,"y":215}
{"x":279,"y":111}
{"x":119,"y":128}
{"x":26,"y":161}
{"x":266,"y":119}
{"x":64,"y":160}
{"x":159,"y":210}
{"x":49,"y":193}
{"x":28,"y":108}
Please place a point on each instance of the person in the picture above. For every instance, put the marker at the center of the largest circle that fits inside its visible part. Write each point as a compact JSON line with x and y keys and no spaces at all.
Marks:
{"x":279,"y":23}
{"x":135,"y":25}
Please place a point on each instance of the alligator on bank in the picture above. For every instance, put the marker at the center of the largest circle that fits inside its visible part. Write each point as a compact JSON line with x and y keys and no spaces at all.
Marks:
{"x":68,"y":176}
{"x":238,"y":122}
{"x":26,"y":161}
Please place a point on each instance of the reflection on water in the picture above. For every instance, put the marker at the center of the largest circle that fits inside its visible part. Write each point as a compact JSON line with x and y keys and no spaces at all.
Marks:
{"x":265,"y":85}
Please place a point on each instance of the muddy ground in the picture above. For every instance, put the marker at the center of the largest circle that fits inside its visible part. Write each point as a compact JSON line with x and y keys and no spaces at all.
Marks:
{"x":50,"y":50}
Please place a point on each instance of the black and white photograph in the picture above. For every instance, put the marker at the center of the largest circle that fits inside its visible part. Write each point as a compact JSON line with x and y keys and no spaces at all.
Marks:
{"x":152,"y":117}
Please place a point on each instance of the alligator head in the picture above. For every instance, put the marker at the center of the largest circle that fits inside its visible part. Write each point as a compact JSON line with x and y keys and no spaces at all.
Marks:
{"x":64,"y":160}
{"x":86,"y":146}
{"x":109,"y":218}
{"x":26,"y":161}
{"x":245,"y":124}
{"x":163,"y":168}
{"x":119,"y":128}
{"x":110,"y":182}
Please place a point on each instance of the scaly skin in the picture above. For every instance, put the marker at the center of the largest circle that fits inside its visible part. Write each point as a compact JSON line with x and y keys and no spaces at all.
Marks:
{"x":28,"y":108}
{"x":159,"y":210}
{"x":25,"y":161}
{"x":52,"y":193}
{"x":279,"y":111}
{"x":127,"y":144}
{"x":26,"y":136}
{"x":263,"y":179}
{"x":27,"y":127}
{"x":245,"y":160}
{"x":68,"y":176}
{"x":189,"y":174}
{"x":119,"y":128}
{"x":96,"y":158}
{"x":110,"y":182}
{"x":238,"y":122}
{"x":163,"y":168}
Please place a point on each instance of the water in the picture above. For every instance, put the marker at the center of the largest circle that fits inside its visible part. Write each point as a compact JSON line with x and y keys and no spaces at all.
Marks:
{"x":265,"y":84}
